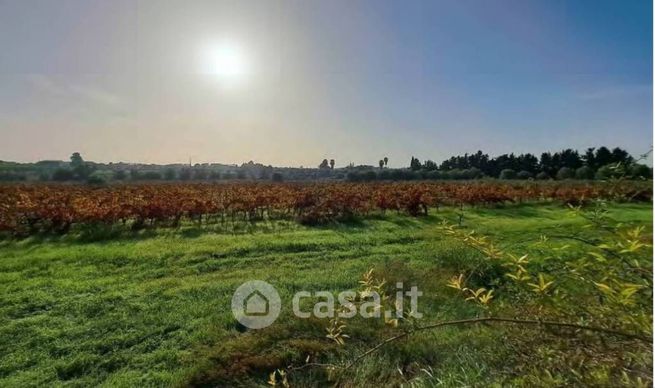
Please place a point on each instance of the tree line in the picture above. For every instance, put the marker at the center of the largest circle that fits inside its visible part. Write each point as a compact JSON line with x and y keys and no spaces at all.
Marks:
{"x":600,"y":163}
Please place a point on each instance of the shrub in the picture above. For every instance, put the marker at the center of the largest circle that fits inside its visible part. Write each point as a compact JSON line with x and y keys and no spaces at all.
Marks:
{"x":433,"y":175}
{"x":453,"y":174}
{"x":584,"y":172}
{"x":151,"y":175}
{"x":565,"y":173}
{"x":507,"y":173}
{"x":169,"y":174}
{"x":120,"y":175}
{"x":353,"y":176}
{"x":185,"y":174}
{"x":62,"y":174}
{"x":472,"y":173}
{"x":524,"y":174}
{"x":11,"y":176}
{"x":95,"y":180}
{"x":99,"y":177}
{"x":641,"y":171}
{"x":360,"y":176}
{"x":543,"y":175}
{"x":384,"y":175}
{"x":369,"y":176}
{"x":606,"y":172}
{"x":200,"y":174}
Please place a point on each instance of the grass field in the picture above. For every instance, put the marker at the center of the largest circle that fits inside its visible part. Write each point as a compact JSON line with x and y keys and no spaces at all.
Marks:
{"x":153,"y":308}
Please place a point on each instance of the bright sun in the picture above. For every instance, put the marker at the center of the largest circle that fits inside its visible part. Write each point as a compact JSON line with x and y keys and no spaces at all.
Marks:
{"x":226,"y":60}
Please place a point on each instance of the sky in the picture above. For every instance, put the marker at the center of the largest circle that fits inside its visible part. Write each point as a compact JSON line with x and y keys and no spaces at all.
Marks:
{"x":290,"y":83}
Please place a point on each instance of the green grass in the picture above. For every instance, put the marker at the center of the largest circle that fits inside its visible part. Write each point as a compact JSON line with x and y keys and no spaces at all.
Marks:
{"x":154,"y":308}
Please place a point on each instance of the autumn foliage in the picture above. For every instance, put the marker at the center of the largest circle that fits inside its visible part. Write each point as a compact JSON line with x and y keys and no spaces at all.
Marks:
{"x":26,"y":209}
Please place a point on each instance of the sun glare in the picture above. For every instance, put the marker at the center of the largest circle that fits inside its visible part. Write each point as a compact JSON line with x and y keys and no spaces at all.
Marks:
{"x":226,"y":60}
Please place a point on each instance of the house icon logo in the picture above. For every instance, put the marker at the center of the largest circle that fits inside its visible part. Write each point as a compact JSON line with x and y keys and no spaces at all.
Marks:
{"x":256,"y":304}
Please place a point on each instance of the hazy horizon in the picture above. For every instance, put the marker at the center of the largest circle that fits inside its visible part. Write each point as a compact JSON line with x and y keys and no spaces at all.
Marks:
{"x":289,"y":83}
{"x":648,"y":160}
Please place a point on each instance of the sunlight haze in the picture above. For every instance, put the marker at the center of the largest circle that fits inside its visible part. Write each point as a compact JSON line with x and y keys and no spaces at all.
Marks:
{"x":289,"y":83}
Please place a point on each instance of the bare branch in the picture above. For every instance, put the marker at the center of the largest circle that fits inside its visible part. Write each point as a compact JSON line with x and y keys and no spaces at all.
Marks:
{"x":640,"y":337}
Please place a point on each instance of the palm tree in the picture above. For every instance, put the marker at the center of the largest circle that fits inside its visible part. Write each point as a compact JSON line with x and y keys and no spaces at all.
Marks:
{"x":386,"y":160}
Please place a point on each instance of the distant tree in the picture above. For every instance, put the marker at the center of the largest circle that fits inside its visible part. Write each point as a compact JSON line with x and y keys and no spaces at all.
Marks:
{"x":185,"y":174}
{"x":169,"y":174}
{"x":546,"y":164}
{"x":584,"y":172}
{"x":507,"y":173}
{"x":80,"y":168}
{"x":369,"y":176}
{"x":549,"y":163}
{"x":481,"y":161}
{"x":415,"y":164}
{"x":621,"y":156}
{"x":507,"y":162}
{"x":353,"y":176}
{"x":589,"y":158}
{"x":76,"y":160}
{"x":324,"y":164}
{"x":384,"y":175}
{"x":199,"y":174}
{"x":135,"y":175}
{"x":12,"y":177}
{"x":477,"y":160}
{"x":571,"y":159}
{"x":386,"y":160}
{"x":565,"y":173}
{"x":120,"y":175}
{"x":381,"y":163}
{"x":151,"y":176}
{"x":528,"y":163}
{"x":603,"y":157}
{"x":430,"y":165}
{"x":265,"y":173}
{"x":277,"y":177}
{"x":332,"y":164}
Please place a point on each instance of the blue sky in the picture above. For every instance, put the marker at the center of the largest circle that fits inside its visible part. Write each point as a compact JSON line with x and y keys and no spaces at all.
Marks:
{"x":349,"y":80}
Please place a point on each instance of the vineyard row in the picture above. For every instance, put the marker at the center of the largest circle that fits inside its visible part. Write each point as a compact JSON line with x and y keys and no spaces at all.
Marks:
{"x":26,"y":209}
